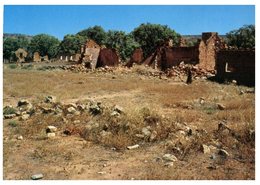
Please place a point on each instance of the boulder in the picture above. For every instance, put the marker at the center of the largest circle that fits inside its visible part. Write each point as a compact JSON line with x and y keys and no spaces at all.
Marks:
{"x":132,"y":147}
{"x":205,"y":149}
{"x":221,"y":107}
{"x":223,"y":153}
{"x":169,"y":157}
{"x":71,"y":110}
{"x":50,"y":99}
{"x":9,"y":116}
{"x":51,"y":129}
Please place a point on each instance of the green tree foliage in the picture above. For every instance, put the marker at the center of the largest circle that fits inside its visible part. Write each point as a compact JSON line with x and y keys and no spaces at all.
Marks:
{"x":150,"y":35}
{"x":244,"y":37}
{"x":45,"y":45}
{"x":71,"y":44}
{"x":11,"y":44}
{"x":96,"y":33}
{"x":122,"y":42}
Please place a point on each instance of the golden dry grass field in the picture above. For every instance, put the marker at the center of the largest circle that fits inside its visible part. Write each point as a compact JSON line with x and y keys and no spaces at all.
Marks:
{"x":162,"y":116}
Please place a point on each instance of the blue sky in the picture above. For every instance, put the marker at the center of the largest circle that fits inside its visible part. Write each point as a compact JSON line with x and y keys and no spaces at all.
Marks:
{"x":60,"y":20}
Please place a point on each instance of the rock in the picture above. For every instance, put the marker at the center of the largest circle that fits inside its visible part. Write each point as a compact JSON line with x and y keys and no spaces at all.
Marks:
{"x":101,"y":173}
{"x":221,"y":107}
{"x":81,"y":107}
{"x":169,"y":157}
{"x":37,"y":176}
{"x":153,"y":136}
{"x":223,"y":153}
{"x":20,"y":138}
{"x":132,"y":147}
{"x":50,"y":99}
{"x":9,"y":116}
{"x":115,"y":114}
{"x":146,"y":132}
{"x":71,"y":110}
{"x":23,"y":102}
{"x":141,"y":136}
{"x":76,"y":121}
{"x":205,"y":149}
{"x":250,"y":91}
{"x":118,"y":109}
{"x":95,"y":109}
{"x":252,"y":134}
{"x":51,"y":129}
{"x":201,"y":100}
{"x":77,"y":113}
{"x":24,"y":105}
{"x":25,"y":117}
{"x":51,"y":135}
{"x":234,"y":82}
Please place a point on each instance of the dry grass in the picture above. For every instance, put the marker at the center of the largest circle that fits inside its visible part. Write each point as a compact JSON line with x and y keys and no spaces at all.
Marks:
{"x":166,"y":107}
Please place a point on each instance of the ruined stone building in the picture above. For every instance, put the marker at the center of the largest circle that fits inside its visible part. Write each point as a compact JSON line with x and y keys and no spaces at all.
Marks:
{"x":203,"y":54}
{"x":21,"y":54}
{"x":236,"y":65}
{"x":89,"y":54}
{"x":36,"y":57}
{"x":208,"y":47}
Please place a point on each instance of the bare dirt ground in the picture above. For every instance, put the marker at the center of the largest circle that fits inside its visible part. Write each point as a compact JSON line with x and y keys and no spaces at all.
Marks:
{"x":181,"y":117}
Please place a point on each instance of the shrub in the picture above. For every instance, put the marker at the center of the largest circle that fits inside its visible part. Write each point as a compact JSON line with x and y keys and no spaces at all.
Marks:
{"x":9,"y":110}
{"x":12,"y":66}
{"x":12,"y":123}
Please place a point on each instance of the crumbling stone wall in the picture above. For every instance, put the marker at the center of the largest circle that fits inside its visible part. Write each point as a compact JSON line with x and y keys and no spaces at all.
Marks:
{"x":208,"y":46}
{"x":36,"y":57}
{"x":236,"y":65}
{"x":21,"y":54}
{"x":137,"y":57}
{"x":89,"y":54}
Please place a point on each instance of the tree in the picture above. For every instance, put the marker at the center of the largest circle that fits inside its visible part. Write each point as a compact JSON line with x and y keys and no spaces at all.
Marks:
{"x":244,"y":37}
{"x":11,"y":44}
{"x":96,"y":33}
{"x":45,"y":45}
{"x":71,"y":44}
{"x":150,"y":35}
{"x":122,"y":42}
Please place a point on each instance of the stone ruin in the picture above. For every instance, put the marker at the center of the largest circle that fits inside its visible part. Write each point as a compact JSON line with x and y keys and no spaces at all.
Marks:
{"x":238,"y":65}
{"x":36,"y":57}
{"x":21,"y":54}
{"x":89,"y":54}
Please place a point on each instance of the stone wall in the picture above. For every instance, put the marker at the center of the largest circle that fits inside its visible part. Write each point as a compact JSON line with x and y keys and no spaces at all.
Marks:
{"x":236,"y":65}
{"x":208,"y":46}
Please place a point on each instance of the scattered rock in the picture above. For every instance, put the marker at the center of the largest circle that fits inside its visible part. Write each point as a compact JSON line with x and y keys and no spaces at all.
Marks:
{"x":77,"y":113}
{"x":51,"y":129}
{"x":72,"y":105}
{"x":9,"y":116}
{"x":221,"y":107}
{"x":212,"y":167}
{"x":20,"y":138}
{"x":223,"y":153}
{"x":205,"y":149}
{"x":169,"y":157}
{"x":50,"y":99}
{"x":51,"y":135}
{"x":250,"y":91}
{"x":37,"y":176}
{"x":25,"y":117}
{"x":132,"y":147}
{"x":71,"y":110}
